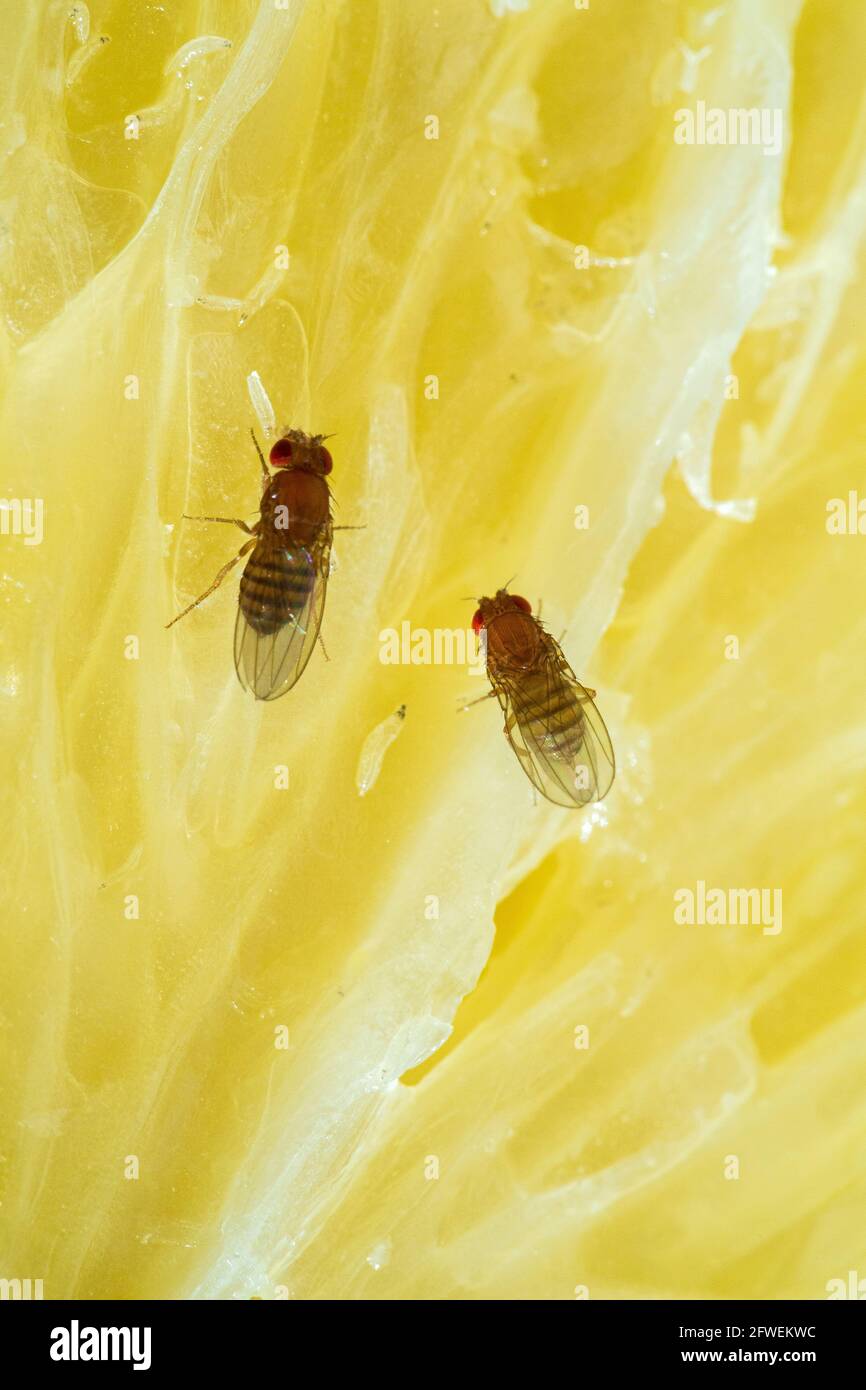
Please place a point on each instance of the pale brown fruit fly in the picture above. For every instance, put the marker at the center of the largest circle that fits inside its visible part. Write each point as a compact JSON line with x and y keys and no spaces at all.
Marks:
{"x":551,"y":720}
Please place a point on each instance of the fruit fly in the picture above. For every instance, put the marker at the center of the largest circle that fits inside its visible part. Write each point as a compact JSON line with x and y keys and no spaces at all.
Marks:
{"x":285,"y":579}
{"x":551,"y":721}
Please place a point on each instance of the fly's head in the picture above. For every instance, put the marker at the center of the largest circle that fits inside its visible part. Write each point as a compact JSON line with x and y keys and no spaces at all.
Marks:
{"x":306,"y":451}
{"x":490,"y":608}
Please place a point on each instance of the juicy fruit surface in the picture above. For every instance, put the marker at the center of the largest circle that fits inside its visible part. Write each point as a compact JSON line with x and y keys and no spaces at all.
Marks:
{"x":263,"y":1036}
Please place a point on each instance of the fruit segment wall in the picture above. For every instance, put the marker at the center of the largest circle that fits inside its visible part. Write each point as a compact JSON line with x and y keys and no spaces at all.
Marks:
{"x":261,"y":1035}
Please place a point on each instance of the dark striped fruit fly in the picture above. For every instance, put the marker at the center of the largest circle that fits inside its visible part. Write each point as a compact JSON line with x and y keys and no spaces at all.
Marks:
{"x":283,"y":586}
{"x":551,"y":720}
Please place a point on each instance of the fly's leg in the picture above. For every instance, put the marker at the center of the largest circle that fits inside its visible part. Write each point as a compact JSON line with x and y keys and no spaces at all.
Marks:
{"x":266,"y":477}
{"x":230,"y":564}
{"x":229,"y":521}
{"x":488,"y":696}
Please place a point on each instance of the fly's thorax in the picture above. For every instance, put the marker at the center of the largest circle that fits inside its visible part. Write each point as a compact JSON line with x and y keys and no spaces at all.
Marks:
{"x":295,"y":506}
{"x":514,"y":641}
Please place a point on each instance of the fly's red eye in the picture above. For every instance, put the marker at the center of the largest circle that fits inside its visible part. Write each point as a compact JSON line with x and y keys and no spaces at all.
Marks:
{"x":281,"y":453}
{"x":522,"y":604}
{"x":477,"y":622}
{"x":327,"y":461}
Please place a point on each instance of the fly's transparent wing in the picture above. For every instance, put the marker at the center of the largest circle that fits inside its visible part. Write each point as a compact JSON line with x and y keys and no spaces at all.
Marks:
{"x":275,"y":637}
{"x":598,"y":743}
{"x":556,"y":731}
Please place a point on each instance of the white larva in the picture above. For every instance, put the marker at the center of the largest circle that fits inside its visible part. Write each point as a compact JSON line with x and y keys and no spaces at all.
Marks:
{"x":376,"y":745}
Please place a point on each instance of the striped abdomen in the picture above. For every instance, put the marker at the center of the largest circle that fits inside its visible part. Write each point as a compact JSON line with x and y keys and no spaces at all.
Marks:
{"x":549,"y":711}
{"x":275,"y":587}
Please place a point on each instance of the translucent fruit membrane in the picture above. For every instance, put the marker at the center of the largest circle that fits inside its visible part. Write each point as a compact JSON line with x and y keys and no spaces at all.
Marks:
{"x":262,"y":1035}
